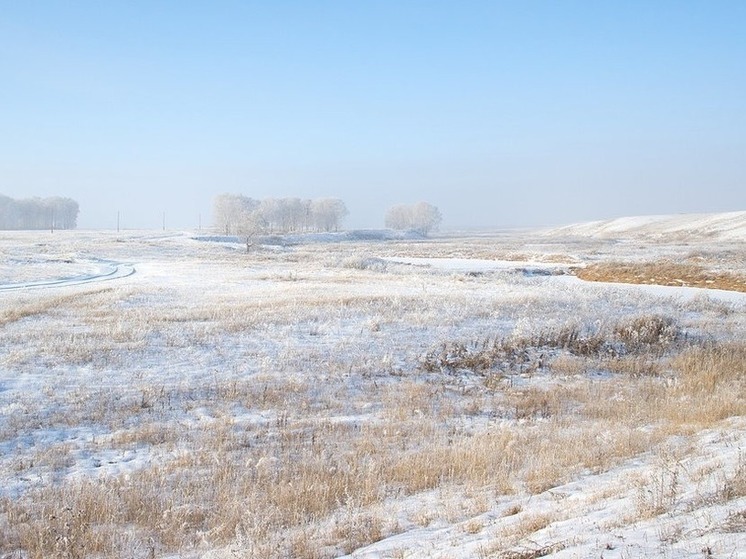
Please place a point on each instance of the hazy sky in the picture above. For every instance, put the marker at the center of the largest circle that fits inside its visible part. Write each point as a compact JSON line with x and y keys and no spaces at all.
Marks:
{"x":502,"y":114}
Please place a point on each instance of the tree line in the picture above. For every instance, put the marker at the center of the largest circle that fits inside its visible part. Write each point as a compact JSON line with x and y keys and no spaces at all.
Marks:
{"x":236,"y":214}
{"x":38,"y":213}
{"x":421,"y":217}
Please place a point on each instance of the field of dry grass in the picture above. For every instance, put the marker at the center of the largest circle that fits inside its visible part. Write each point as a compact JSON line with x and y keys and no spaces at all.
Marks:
{"x":307,"y":402}
{"x":663,"y":273}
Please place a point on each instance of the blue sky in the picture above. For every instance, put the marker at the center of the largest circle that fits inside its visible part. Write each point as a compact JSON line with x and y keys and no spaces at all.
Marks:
{"x":503,"y":114}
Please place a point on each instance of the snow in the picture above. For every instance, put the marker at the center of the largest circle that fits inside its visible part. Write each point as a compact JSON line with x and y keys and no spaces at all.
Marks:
{"x":475,"y":265}
{"x":714,"y":227}
{"x":561,"y":274}
{"x":177,"y":282}
{"x":90,"y":270}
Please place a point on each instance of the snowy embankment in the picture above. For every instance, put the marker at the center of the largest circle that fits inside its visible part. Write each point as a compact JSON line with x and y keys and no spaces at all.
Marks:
{"x":613,"y":514}
{"x":730,"y":226}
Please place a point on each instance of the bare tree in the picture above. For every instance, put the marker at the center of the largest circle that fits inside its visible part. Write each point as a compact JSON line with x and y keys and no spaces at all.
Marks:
{"x":251,"y":224}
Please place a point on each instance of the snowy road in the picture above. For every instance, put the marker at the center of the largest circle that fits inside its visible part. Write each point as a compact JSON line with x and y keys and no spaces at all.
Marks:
{"x":100,"y":270}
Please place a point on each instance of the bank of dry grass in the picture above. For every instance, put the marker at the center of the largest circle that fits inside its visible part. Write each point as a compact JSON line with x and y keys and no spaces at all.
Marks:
{"x":661,"y":273}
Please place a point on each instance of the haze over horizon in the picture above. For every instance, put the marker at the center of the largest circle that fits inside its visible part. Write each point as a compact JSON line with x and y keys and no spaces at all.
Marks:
{"x":502,"y":114}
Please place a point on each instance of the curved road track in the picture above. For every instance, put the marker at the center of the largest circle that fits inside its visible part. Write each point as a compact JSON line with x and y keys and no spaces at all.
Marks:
{"x":104,"y":270}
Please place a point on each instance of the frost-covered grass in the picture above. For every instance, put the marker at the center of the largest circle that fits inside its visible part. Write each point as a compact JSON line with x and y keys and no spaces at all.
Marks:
{"x":379,"y":399}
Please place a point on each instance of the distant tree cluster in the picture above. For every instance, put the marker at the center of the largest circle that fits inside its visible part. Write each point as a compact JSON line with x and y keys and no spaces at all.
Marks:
{"x":421,"y":217}
{"x":235,"y":214}
{"x":38,"y":213}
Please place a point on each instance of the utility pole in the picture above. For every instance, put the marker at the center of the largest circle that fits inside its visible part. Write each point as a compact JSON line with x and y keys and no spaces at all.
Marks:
{"x":164,"y":221}
{"x":117,"y":221}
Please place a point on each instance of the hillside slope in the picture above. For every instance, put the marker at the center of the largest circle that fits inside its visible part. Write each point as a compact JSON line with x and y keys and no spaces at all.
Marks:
{"x":730,"y":226}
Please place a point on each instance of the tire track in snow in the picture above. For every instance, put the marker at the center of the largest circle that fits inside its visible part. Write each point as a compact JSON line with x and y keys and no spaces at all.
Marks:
{"x":107,"y":270}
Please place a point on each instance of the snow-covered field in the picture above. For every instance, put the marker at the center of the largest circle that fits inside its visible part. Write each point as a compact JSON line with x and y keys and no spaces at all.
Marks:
{"x":163,"y":395}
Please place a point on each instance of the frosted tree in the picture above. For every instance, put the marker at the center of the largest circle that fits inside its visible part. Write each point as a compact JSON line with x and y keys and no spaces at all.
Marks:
{"x":294,"y":213}
{"x":251,"y":224}
{"x":230,"y":209}
{"x":399,"y":217}
{"x":7,"y":212}
{"x":328,"y":213}
{"x":272,"y":211}
{"x":64,"y":212}
{"x":421,"y":217}
{"x":425,"y":218}
{"x":235,"y":214}
{"x":38,"y":213}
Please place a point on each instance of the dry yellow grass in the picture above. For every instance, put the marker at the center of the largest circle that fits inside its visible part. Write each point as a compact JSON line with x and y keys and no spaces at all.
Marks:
{"x":225,"y":487}
{"x":661,"y":273}
{"x":268,"y":481}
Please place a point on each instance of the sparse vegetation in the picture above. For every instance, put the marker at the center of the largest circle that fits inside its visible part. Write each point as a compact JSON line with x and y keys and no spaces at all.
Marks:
{"x":646,"y":336}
